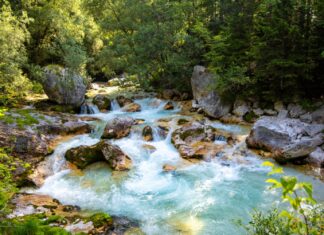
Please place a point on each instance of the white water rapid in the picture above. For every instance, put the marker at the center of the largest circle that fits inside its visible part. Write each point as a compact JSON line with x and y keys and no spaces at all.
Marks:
{"x":200,"y":198}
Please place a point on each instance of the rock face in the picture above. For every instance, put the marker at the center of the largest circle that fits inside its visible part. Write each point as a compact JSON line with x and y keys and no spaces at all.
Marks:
{"x":67,"y":128}
{"x":28,"y":145}
{"x":84,"y":156}
{"x":102,"y":102}
{"x":64,"y":87}
{"x":203,"y":84}
{"x":194,"y":140}
{"x":118,"y":128}
{"x":147,"y":133}
{"x":286,"y":139}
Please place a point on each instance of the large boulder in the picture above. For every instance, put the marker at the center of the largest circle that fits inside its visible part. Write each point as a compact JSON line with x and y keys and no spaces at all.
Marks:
{"x":287,"y":139}
{"x":63,"y":86}
{"x":203,"y":87}
{"x":103,"y":151}
{"x":194,"y":140}
{"x":84,"y":156}
{"x":118,"y":128}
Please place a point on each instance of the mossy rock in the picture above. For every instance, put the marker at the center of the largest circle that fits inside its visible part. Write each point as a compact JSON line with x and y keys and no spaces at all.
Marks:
{"x":100,"y":220}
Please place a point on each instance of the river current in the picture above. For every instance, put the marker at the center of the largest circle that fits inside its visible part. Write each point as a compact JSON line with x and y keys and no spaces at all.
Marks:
{"x":206,"y":197}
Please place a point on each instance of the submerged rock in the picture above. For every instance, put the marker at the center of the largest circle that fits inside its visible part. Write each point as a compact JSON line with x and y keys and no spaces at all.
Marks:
{"x":202,"y":83}
{"x":287,"y":139}
{"x":168,"y":106}
{"x":149,"y":148}
{"x":63,"y":86}
{"x":132,"y":107}
{"x":118,"y":128}
{"x":102,"y":102}
{"x":168,"y":168}
{"x":147,"y":133}
{"x":103,"y":151}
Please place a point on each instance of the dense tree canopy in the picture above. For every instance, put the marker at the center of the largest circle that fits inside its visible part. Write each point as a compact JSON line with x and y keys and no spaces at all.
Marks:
{"x":268,"y":48}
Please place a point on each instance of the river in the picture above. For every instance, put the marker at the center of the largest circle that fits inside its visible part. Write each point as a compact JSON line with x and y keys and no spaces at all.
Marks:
{"x":198,"y":198}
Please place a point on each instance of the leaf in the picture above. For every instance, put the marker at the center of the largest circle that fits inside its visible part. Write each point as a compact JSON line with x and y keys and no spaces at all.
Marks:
{"x":286,"y":214}
{"x":275,"y":183}
{"x":276,"y":170}
{"x":268,"y":164}
{"x":288,"y":183}
{"x":308,"y":189}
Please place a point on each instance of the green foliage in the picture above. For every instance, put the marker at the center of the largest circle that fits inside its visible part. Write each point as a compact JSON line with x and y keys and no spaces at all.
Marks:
{"x":13,"y":35}
{"x":7,"y":186}
{"x":304,"y":216}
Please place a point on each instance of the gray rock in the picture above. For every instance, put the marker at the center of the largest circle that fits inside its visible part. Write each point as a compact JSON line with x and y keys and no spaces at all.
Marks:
{"x":270,"y":112}
{"x":316,"y":158}
{"x":240,"y":108}
{"x":203,"y":87}
{"x":287,"y":139}
{"x":307,"y":117}
{"x":318,"y":115}
{"x":258,"y":111}
{"x":295,"y":110}
{"x":64,"y":87}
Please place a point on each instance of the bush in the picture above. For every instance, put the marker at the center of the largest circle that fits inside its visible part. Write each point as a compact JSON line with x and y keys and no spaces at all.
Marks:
{"x":304,"y":215}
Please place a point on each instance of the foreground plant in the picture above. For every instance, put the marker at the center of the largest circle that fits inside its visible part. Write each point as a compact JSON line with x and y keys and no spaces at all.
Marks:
{"x":302,"y":216}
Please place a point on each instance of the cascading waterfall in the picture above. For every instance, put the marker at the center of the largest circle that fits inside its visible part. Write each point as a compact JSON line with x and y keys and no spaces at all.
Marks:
{"x":89,"y":109}
{"x":200,"y":198}
{"x":114,"y":105}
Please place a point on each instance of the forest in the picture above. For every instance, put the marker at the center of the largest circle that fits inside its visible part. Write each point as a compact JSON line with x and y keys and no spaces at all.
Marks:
{"x":132,"y":117}
{"x":264,"y":48}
